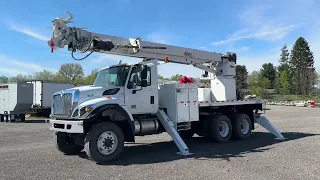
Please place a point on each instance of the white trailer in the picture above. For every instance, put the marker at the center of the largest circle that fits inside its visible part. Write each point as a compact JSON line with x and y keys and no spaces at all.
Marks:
{"x":42,"y":95}
{"x":15,"y":100}
{"x":126,"y":101}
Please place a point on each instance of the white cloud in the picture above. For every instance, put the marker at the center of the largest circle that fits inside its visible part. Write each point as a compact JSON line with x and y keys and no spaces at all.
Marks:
{"x":259,"y":26}
{"x":268,"y":34}
{"x":14,"y":66}
{"x":11,"y":71}
{"x":27,"y":31}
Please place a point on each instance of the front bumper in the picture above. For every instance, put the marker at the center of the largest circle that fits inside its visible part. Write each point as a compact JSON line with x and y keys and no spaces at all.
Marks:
{"x":66,"y":126}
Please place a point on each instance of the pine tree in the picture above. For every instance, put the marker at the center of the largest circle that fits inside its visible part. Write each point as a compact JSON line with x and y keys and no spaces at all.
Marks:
{"x":241,"y":77}
{"x":301,"y":67}
{"x":284,"y":66}
{"x":284,"y":56}
{"x":269,"y":71}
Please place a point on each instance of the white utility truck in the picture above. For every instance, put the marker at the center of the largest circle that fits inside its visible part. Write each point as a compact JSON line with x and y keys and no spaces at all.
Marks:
{"x":126,"y":100}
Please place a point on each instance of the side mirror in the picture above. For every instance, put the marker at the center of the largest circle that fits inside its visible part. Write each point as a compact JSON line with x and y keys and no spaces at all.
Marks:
{"x":132,"y":86}
{"x":144,"y":72}
{"x":144,"y":83}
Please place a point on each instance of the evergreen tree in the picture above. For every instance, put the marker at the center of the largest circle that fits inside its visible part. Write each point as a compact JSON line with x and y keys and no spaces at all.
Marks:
{"x":284,"y":66}
{"x":269,"y":71}
{"x":301,"y":65}
{"x":241,"y":77}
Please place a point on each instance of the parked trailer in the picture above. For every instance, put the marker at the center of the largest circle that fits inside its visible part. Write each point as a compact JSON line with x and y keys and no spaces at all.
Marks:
{"x":15,"y":101}
{"x":42,"y":95}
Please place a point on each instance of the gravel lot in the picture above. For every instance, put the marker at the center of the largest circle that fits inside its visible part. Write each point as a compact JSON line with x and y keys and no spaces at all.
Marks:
{"x":27,"y":152}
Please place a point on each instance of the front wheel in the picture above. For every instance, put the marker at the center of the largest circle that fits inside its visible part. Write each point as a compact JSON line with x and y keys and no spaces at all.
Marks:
{"x":66,"y":144}
{"x":104,"y":142}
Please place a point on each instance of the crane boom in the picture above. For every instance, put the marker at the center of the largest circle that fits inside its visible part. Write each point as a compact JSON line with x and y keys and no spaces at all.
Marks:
{"x":79,"y":39}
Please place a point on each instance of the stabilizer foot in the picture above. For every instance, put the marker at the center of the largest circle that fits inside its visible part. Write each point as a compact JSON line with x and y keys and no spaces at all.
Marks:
{"x":170,"y":129}
{"x":264,"y":122}
{"x":185,"y":153}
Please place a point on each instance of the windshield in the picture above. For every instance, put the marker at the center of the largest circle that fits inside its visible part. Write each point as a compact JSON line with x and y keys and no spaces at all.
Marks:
{"x":114,"y":76}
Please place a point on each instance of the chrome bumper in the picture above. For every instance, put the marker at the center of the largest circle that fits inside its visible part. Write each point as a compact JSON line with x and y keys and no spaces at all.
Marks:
{"x":66,"y":126}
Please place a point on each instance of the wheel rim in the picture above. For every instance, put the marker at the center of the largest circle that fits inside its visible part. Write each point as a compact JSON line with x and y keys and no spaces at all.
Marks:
{"x":223,"y":128}
{"x":107,"y":143}
{"x":244,"y":126}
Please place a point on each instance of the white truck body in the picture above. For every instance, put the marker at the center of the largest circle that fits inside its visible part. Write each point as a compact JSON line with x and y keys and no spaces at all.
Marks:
{"x":127,"y":101}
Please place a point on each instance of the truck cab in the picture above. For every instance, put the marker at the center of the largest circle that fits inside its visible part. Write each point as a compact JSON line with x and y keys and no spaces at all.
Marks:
{"x":132,"y":87}
{"x":119,"y":95}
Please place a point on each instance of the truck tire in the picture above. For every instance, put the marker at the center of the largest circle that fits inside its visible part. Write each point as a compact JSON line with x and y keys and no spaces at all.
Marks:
{"x":65,"y":144}
{"x":104,"y":142}
{"x":220,"y":128}
{"x":241,"y":126}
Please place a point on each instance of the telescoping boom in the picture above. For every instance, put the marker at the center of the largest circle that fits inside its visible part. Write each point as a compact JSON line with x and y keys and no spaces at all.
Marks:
{"x":79,"y":39}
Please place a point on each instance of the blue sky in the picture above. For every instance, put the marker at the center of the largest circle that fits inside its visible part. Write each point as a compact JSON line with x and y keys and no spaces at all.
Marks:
{"x":255,"y":30}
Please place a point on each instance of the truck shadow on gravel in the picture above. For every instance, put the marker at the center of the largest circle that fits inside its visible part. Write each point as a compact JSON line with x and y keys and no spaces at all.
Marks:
{"x":166,"y":151}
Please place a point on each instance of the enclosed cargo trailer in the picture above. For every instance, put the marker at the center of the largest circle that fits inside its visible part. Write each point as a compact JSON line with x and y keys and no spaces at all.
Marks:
{"x":15,"y":101}
{"x":42,"y":95}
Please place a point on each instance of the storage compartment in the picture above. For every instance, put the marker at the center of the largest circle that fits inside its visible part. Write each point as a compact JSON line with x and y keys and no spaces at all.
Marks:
{"x":180,"y":102}
{"x":204,"y":94}
{"x":223,"y":89}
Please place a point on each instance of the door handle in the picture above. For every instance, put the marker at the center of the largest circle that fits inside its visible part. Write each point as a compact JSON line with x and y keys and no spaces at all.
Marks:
{"x":151,"y":99}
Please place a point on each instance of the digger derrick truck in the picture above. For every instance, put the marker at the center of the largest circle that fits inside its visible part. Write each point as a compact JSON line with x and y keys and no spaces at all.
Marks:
{"x":126,"y":100}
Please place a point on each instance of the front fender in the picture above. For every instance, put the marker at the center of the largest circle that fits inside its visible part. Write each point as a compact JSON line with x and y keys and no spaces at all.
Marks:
{"x":78,"y":112}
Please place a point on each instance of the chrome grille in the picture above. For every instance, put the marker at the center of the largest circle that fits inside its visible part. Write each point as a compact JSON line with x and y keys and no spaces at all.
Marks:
{"x":62,"y":105}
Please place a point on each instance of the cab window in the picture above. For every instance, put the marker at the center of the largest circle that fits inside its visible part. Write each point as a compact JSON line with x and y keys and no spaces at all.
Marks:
{"x":135,"y":77}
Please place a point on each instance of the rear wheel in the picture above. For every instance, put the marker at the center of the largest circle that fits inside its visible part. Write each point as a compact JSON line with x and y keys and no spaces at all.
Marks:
{"x":220,"y":128}
{"x":65,"y":144}
{"x":104,"y":142}
{"x":241,"y":125}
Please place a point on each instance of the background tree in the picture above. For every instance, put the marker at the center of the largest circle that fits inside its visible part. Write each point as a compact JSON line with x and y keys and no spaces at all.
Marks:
{"x":88,"y":80}
{"x":284,"y":83}
{"x":284,"y":66}
{"x":301,"y":67}
{"x":162,"y":78}
{"x":258,"y":84}
{"x":241,"y":77}
{"x":269,"y":71}
{"x":44,"y":75}
{"x":20,"y":78}
{"x":70,"y":72}
{"x":4,"y":79}
{"x":175,"y":77}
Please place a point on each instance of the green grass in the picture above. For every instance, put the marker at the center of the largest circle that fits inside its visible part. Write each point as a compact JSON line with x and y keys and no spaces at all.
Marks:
{"x":36,"y":118}
{"x":293,"y":98}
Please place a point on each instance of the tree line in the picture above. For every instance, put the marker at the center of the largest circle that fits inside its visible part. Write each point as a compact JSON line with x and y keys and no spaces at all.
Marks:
{"x":67,"y":73}
{"x":295,"y":73}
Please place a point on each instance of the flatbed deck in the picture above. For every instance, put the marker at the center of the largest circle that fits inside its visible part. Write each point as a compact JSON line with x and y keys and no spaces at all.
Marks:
{"x":224,"y":103}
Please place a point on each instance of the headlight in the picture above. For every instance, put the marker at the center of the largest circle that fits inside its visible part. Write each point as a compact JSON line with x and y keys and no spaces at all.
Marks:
{"x":86,"y":109}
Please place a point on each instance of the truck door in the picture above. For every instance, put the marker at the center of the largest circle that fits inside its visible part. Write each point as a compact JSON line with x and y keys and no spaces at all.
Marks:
{"x":141,"y":100}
